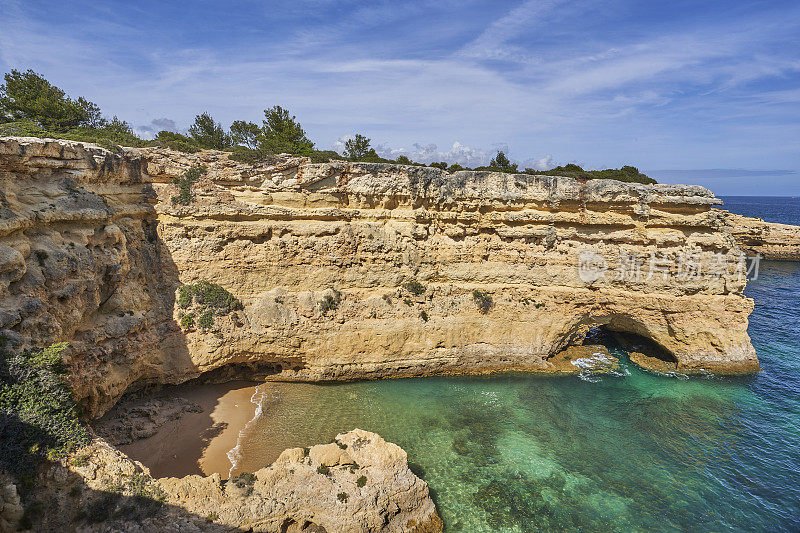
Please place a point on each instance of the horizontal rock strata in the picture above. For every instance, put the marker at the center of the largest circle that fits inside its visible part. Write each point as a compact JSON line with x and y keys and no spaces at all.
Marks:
{"x":351,"y":270}
{"x":770,"y":240}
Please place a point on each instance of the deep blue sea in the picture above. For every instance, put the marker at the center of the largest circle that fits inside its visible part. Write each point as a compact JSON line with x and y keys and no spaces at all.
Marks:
{"x":631,"y":452}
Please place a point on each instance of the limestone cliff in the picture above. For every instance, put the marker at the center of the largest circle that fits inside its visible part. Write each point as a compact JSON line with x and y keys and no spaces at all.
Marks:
{"x":351,"y":270}
{"x":360,"y":483}
{"x":770,"y":240}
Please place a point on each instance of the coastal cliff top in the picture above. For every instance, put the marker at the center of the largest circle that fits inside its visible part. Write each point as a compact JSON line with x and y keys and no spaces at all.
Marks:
{"x":91,"y":162}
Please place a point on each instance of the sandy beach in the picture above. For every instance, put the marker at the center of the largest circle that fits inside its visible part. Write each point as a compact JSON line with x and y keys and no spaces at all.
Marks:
{"x":197,"y":443}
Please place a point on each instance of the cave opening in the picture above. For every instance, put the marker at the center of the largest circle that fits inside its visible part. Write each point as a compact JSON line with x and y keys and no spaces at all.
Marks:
{"x":642,"y":350}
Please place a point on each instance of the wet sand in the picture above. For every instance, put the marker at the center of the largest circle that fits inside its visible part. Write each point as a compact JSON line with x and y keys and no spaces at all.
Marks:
{"x":198,"y":443}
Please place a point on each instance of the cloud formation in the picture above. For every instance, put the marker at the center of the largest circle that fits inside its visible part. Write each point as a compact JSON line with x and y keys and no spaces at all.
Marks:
{"x":689,"y":88}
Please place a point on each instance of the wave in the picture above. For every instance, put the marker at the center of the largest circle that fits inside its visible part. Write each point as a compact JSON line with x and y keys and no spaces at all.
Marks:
{"x":259,"y":397}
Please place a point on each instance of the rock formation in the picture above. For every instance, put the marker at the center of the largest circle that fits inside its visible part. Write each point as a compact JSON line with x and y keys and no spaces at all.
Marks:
{"x":360,"y":483}
{"x":770,"y":240}
{"x":350,"y":270}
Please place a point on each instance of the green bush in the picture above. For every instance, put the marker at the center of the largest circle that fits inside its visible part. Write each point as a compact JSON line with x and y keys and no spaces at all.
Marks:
{"x":342,"y":497}
{"x":324,"y":156}
{"x":187,"y":320}
{"x":206,"y":320}
{"x":250,"y":156}
{"x":39,"y":419}
{"x":414,"y":287}
{"x":483,"y":301}
{"x":324,"y":470}
{"x":185,"y":183}
{"x":175,"y":141}
{"x":424,"y":316}
{"x":626,"y":173}
{"x":330,"y":303}
{"x":361,"y":481}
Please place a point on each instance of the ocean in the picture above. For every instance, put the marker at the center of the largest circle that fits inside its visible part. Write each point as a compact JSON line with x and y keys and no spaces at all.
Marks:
{"x":626,"y":452}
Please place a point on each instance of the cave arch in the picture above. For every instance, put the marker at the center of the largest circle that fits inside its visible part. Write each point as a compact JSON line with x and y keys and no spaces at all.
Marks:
{"x":629,"y":333}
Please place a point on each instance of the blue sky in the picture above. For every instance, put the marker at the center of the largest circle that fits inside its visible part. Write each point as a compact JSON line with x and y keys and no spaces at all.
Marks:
{"x":701,"y":92}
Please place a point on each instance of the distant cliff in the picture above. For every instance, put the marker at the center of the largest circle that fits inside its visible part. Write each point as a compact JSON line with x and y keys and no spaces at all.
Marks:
{"x":349,"y":270}
{"x":770,"y":240}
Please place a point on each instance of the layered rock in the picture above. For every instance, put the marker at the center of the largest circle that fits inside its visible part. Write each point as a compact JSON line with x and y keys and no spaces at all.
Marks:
{"x":770,"y":240}
{"x":351,"y":270}
{"x":359,"y":483}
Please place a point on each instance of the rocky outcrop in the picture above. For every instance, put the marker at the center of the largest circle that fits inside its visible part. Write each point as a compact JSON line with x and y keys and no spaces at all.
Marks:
{"x":770,"y":240}
{"x":359,"y":483}
{"x":351,"y":270}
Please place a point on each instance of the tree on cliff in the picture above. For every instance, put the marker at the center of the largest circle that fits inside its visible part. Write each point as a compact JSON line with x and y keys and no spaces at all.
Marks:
{"x":281,"y":133}
{"x":245,"y":133}
{"x":501,"y":163}
{"x":27,"y":95}
{"x":209,"y":134}
{"x":357,"y":147}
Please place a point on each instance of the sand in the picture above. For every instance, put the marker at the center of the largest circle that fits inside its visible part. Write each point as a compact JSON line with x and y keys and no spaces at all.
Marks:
{"x":198,"y":443}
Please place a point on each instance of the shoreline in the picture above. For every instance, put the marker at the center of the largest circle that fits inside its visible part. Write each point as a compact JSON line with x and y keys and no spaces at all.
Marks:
{"x":212,"y":432}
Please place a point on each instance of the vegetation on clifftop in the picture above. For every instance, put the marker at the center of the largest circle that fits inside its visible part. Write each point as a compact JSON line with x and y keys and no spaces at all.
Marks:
{"x":32,"y":106}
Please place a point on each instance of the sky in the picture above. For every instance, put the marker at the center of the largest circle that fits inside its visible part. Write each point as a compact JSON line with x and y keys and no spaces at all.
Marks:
{"x":704,"y":92}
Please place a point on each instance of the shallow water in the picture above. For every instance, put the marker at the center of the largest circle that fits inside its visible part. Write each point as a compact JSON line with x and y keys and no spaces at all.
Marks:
{"x":614,"y":452}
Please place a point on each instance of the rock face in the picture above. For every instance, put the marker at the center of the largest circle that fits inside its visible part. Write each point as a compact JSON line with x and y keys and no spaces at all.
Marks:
{"x":770,"y":240}
{"x":351,"y":270}
{"x":361,"y":483}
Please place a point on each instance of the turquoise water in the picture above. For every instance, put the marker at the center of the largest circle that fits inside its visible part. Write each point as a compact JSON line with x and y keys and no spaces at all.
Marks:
{"x":620,"y":453}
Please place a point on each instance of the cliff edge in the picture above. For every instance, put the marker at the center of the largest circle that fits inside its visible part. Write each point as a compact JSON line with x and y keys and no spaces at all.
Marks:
{"x":349,"y":270}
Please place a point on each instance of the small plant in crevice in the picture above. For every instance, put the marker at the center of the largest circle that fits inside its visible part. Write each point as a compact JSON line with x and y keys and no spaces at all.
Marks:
{"x":483,"y":301}
{"x":324,"y":470}
{"x":244,"y":481}
{"x":530,"y":301}
{"x":185,"y":183}
{"x":424,"y":316}
{"x":407,"y":301}
{"x":414,"y":287}
{"x":361,"y":481}
{"x":330,"y":302}
{"x":341,"y":445}
{"x":342,"y":497}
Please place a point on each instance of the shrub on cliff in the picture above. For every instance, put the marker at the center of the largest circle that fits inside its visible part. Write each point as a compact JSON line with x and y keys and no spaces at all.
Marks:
{"x":208,"y":295}
{"x":626,"y":173}
{"x":414,"y":287}
{"x":185,"y":183}
{"x":175,"y":141}
{"x":483,"y":301}
{"x":39,"y":419}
